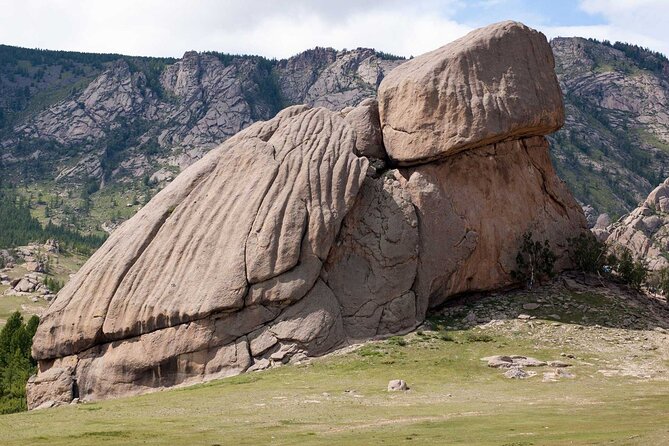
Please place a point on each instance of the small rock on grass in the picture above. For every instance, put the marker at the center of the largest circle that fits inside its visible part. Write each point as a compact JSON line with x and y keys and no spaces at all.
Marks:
{"x":518,"y":373}
{"x":500,"y":361}
{"x":556,"y":375}
{"x":558,"y":364}
{"x":397,"y":385}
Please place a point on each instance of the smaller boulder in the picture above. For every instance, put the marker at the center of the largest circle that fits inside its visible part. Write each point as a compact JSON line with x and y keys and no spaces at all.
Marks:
{"x":516,"y":373}
{"x":498,"y":361}
{"x":397,"y":385}
{"x":35,"y":267}
{"x":26,"y":285}
{"x":55,"y":387}
{"x":365,"y":120}
{"x":558,"y":364}
{"x":527,"y":361}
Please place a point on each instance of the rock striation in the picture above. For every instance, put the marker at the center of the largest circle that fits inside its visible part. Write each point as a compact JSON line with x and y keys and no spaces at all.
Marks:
{"x":295,"y":237}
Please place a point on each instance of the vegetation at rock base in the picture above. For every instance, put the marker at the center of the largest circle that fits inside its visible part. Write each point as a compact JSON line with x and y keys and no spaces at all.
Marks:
{"x":535,"y":261}
{"x":16,"y":365}
{"x":659,"y":281}
{"x":631,"y":271}
{"x":54,"y":285}
{"x":592,"y":256}
{"x":588,"y":254}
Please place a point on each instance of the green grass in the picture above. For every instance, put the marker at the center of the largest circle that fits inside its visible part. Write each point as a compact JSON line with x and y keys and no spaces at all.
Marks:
{"x":652,"y":140}
{"x":24,"y":304}
{"x":62,"y":265}
{"x":454,"y":399}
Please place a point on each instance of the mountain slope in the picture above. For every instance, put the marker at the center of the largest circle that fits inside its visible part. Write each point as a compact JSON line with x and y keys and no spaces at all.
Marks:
{"x":614,"y":147}
{"x":99,"y":134}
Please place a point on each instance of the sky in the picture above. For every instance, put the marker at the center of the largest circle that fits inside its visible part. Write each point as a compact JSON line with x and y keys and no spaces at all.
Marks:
{"x":282,"y":28}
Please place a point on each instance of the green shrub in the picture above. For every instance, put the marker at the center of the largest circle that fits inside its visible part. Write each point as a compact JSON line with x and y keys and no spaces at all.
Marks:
{"x":534,"y":261}
{"x":16,"y":365}
{"x":629,"y":270}
{"x":478,"y":337}
{"x":446,"y":337}
{"x":397,"y":340}
{"x":53,"y":285}
{"x":588,"y":254}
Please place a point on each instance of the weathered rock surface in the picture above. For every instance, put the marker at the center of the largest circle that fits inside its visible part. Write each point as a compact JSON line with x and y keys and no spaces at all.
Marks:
{"x":645,"y":230}
{"x":271,"y":200}
{"x":372,"y":268}
{"x":283,"y":242}
{"x":51,"y":388}
{"x":493,"y":84}
{"x":473,"y":209}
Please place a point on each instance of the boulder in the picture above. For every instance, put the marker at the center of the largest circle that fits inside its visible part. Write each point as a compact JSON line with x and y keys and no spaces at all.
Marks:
{"x":26,"y":285}
{"x":517,"y":373}
{"x":51,"y":388}
{"x":365,"y":120}
{"x":284,"y":243}
{"x":473,"y":209}
{"x":494,"y":84}
{"x":397,"y":385}
{"x":35,"y":266}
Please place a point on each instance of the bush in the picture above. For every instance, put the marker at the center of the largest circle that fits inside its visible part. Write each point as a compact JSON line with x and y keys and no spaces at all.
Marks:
{"x":660,"y":281}
{"x":478,"y":337}
{"x":54,"y":285}
{"x":397,"y":340}
{"x":588,"y":254}
{"x":535,"y":261}
{"x":629,"y":270}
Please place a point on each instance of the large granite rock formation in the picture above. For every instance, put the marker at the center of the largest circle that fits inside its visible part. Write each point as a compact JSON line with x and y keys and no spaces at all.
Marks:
{"x":285,"y":242}
{"x":645,"y":230}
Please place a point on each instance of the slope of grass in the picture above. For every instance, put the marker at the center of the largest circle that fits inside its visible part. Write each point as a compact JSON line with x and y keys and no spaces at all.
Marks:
{"x":454,"y":399}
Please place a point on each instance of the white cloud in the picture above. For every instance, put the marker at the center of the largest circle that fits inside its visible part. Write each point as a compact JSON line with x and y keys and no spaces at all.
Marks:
{"x":270,"y":28}
{"x":276,"y":28}
{"x":641,"y":22}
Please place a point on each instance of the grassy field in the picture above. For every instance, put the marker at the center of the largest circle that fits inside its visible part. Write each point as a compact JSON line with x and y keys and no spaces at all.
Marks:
{"x":455,"y":399}
{"x":61,"y":266}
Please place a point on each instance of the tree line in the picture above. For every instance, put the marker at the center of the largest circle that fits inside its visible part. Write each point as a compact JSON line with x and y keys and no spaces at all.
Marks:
{"x":16,"y":363}
{"x":18,"y":227}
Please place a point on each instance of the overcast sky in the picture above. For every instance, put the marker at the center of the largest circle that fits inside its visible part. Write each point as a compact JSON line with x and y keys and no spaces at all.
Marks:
{"x":282,"y":28}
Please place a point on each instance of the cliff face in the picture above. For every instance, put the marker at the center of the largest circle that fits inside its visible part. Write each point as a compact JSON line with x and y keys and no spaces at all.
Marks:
{"x":296,"y":236}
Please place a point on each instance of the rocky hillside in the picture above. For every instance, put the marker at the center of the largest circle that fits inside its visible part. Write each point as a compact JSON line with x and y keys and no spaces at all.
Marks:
{"x":99,"y":134}
{"x":614,"y":147}
{"x":73,"y":117}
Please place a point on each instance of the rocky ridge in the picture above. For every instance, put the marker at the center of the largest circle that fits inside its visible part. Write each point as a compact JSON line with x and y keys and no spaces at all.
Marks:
{"x":295,"y":237}
{"x":69,"y":120}
{"x":645,"y":230}
{"x":614,"y":146}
